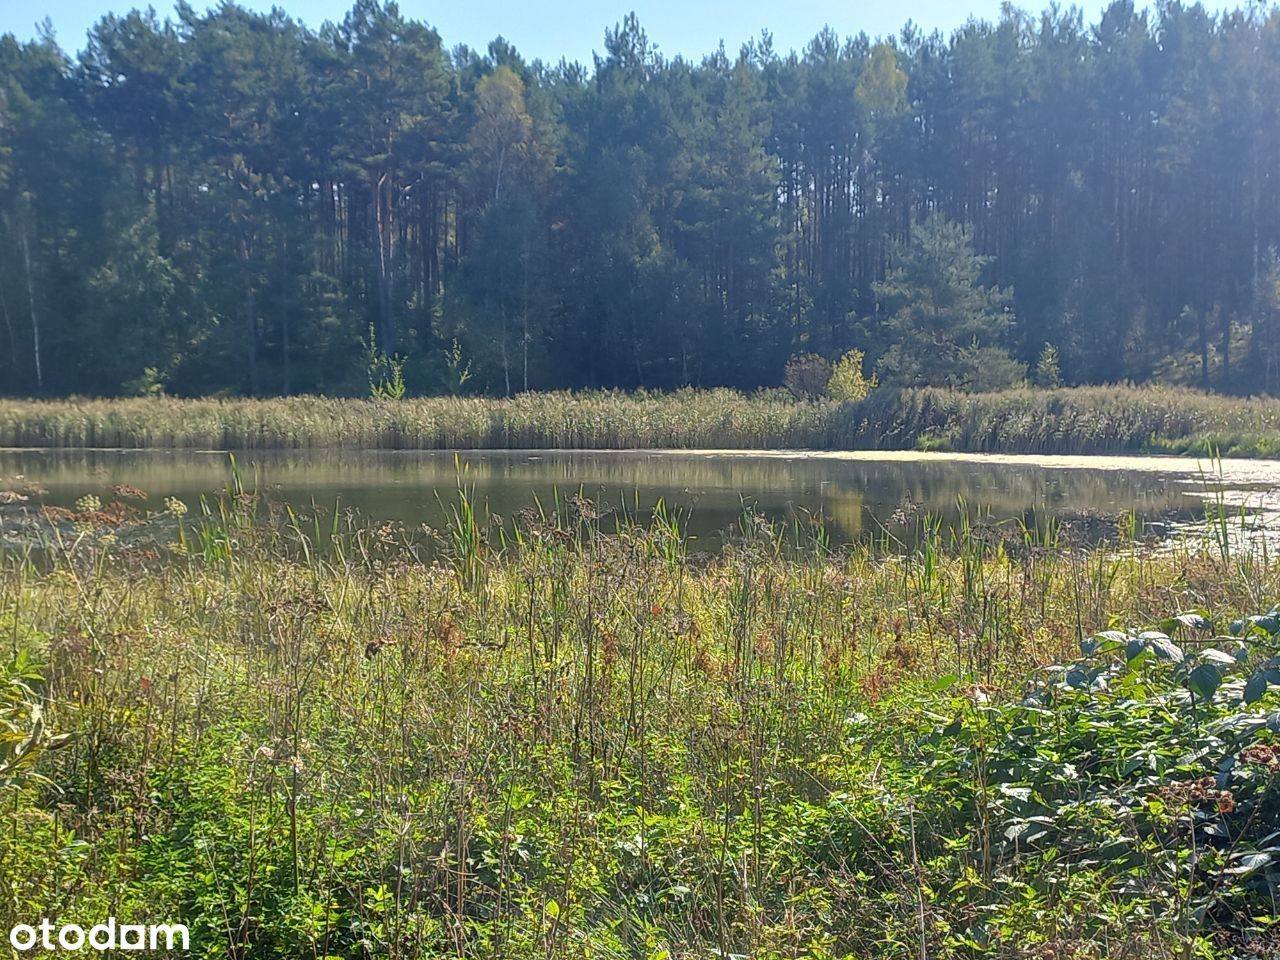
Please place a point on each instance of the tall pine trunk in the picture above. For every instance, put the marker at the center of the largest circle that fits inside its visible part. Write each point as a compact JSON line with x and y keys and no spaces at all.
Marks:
{"x":31,"y":299}
{"x":250,"y":317}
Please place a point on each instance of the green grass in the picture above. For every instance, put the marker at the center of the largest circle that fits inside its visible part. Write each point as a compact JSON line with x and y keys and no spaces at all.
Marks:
{"x":1079,"y":420}
{"x":304,"y":739}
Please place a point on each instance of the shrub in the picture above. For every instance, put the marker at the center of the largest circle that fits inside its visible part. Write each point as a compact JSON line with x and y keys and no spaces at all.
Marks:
{"x":847,"y":382}
{"x":1048,"y":370}
{"x":983,"y":369}
{"x":386,"y":372}
{"x":807,"y":375}
{"x":150,"y":384}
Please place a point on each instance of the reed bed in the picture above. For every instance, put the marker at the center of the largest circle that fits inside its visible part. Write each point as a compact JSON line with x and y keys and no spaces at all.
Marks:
{"x":536,"y":420}
{"x":304,"y":738}
{"x":1074,"y":420}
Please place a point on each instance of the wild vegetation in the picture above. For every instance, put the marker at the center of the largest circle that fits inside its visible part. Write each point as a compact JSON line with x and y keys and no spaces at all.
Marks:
{"x":562,"y":734}
{"x":1071,"y":420}
{"x":561,"y":737}
{"x":230,"y":201}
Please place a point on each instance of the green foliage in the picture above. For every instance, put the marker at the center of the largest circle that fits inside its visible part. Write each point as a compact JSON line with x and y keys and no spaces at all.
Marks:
{"x":386,"y":373}
{"x":207,"y":197}
{"x":304,"y":740}
{"x":1146,"y":756}
{"x":990,"y":369}
{"x":847,"y":382}
{"x":882,"y":86}
{"x":945,"y":328}
{"x":459,"y":368}
{"x":24,"y":732}
{"x":150,"y":384}
{"x":1048,"y":369}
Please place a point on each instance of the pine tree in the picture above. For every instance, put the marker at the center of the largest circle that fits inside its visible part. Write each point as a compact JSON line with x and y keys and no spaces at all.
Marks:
{"x":944,"y":327}
{"x":1048,"y":370}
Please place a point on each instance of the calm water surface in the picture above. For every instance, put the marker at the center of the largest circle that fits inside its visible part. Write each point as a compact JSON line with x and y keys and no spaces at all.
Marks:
{"x":857,"y":494}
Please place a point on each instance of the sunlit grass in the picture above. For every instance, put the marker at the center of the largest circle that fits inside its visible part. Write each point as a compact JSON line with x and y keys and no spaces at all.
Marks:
{"x":1111,"y":419}
{"x":522,"y":737}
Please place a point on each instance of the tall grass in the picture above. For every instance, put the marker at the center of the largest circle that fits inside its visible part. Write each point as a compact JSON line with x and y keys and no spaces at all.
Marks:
{"x":1076,"y":420}
{"x":307,"y":740}
{"x":600,"y":420}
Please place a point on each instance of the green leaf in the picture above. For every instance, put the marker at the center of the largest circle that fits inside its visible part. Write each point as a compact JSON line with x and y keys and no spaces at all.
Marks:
{"x":1255,"y":687}
{"x":1100,"y":642}
{"x":1163,"y":647}
{"x":1194,"y":621}
{"x":1217,"y":656}
{"x":1204,"y":681}
{"x":1246,"y":863}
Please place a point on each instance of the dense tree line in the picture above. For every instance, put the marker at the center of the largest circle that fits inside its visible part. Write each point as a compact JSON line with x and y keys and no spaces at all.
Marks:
{"x":234,"y":202}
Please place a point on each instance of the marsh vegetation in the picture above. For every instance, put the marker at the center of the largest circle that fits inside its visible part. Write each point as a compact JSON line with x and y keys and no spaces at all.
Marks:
{"x":308,"y":740}
{"x":877,"y":718}
{"x":1081,"y":420}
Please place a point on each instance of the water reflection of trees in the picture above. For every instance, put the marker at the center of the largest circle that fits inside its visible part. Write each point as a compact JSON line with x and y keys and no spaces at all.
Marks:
{"x":853,"y":495}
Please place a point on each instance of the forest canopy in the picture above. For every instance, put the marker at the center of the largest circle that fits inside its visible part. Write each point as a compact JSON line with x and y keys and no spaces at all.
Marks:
{"x":232,"y":202}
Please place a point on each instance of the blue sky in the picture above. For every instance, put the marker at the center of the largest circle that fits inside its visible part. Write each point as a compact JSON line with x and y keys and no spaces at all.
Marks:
{"x":574,"y":28}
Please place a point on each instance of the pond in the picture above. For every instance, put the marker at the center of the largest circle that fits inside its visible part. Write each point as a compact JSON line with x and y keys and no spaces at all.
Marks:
{"x":858,"y":495}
